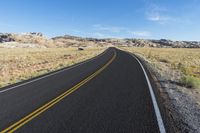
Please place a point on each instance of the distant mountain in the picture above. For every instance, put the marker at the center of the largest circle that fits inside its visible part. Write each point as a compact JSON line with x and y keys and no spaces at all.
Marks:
{"x":177,"y":44}
{"x":34,"y":39}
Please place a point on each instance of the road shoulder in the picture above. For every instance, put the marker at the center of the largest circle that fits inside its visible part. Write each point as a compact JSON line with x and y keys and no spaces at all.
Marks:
{"x":180,"y":111}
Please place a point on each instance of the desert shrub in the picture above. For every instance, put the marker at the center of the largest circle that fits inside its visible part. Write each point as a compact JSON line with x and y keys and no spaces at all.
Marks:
{"x":163,"y":60}
{"x":191,"y":81}
{"x":149,"y":54}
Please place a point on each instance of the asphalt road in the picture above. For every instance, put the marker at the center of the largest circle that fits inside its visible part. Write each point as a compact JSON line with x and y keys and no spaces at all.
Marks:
{"x":108,"y":94}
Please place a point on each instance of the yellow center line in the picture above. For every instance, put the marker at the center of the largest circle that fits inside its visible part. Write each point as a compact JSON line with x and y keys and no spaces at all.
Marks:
{"x":48,"y":105}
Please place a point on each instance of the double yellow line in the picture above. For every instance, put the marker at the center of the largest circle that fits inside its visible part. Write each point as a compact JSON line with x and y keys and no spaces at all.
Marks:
{"x":48,"y":105}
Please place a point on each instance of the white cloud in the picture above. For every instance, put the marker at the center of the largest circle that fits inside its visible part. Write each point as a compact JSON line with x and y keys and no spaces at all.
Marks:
{"x":99,"y":27}
{"x":102,"y":31}
{"x":76,"y":31}
{"x":158,"y":17}
{"x":102,"y":35}
{"x":99,"y":35}
{"x":158,"y":14}
{"x":140,"y":33}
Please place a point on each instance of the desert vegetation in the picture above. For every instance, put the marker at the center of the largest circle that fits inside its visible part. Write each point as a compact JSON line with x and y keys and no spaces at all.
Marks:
{"x":23,"y":63}
{"x":181,"y":65}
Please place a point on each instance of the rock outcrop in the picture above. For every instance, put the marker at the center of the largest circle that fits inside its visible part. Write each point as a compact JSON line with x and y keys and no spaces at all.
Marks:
{"x":6,"y":38}
{"x":177,"y":44}
{"x":73,"y":41}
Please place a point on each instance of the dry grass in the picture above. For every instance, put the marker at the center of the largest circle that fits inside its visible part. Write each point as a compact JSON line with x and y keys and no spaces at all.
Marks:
{"x":23,"y":63}
{"x":185,"y":61}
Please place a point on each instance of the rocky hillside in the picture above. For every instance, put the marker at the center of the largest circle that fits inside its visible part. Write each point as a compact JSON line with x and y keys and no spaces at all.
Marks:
{"x":72,"y":41}
{"x":26,"y":40}
{"x":38,"y":40}
{"x":177,"y":44}
{"x":163,"y":43}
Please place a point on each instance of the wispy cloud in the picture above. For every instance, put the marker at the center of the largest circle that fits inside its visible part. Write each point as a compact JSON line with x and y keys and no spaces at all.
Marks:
{"x":158,"y":18}
{"x":99,"y":27}
{"x":116,"y":30}
{"x":99,"y":35}
{"x":105,"y":31}
{"x":158,"y":14}
{"x":140,"y":33}
{"x":76,"y":31}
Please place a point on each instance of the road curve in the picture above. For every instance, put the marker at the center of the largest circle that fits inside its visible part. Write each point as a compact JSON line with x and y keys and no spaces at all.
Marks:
{"x":108,"y":94}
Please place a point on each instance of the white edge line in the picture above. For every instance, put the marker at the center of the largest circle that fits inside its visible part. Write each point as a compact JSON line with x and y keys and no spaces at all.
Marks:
{"x":155,"y":104}
{"x":54,"y":73}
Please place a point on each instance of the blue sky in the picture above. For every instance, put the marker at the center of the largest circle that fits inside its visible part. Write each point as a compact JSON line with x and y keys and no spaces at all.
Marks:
{"x":154,"y":19}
